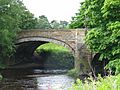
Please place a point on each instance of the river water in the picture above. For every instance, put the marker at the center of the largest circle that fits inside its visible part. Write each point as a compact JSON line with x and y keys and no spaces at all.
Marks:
{"x":35,"y":80}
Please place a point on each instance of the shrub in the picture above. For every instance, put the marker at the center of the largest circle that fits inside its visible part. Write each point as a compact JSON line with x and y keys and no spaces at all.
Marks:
{"x":107,"y":83}
{"x":73,"y":73}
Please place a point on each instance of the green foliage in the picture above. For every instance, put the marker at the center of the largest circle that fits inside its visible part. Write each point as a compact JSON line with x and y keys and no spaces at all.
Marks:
{"x":6,"y":44}
{"x":57,"y":59}
{"x":54,"y":24}
{"x":73,"y":73}
{"x":110,"y":10}
{"x":10,"y":11}
{"x":59,"y":25}
{"x":43,"y":23}
{"x":107,"y":83}
{"x":28,"y":21}
{"x":63,"y":25}
{"x":56,"y":56}
{"x":52,"y":47}
{"x":89,"y":15}
{"x":102,"y":18}
{"x":114,"y":64}
{"x":107,"y":43}
{"x":105,"y":39}
{"x":13,"y":17}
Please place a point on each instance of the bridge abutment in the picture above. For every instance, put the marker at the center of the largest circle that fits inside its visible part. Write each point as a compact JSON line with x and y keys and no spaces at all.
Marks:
{"x":84,"y":60}
{"x":82,"y":65}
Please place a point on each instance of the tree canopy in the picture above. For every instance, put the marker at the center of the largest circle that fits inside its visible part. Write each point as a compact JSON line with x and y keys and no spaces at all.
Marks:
{"x":13,"y":17}
{"x":89,"y":14}
{"x":59,"y":25}
{"x":43,"y":23}
{"x":102,"y":19}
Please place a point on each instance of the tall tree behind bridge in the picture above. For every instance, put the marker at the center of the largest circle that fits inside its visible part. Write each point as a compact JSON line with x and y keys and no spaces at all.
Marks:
{"x":63,"y":24}
{"x":59,"y":25}
{"x":54,"y":24}
{"x":28,"y":21}
{"x":43,"y":23}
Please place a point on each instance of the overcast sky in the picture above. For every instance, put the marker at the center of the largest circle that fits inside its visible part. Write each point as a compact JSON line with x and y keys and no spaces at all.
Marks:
{"x":53,"y":9}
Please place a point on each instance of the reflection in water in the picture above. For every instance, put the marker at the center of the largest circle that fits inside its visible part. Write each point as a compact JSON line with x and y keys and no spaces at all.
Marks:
{"x":34,"y":80}
{"x":18,"y":84}
{"x":54,"y":82}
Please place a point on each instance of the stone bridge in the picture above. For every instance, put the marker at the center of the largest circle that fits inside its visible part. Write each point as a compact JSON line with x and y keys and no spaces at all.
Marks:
{"x":29,"y":40}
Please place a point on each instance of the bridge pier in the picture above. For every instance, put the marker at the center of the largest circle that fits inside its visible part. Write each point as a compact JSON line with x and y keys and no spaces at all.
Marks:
{"x":83,"y":59}
{"x":77,"y":64}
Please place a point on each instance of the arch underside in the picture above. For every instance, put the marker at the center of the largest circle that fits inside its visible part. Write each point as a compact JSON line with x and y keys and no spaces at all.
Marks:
{"x":25,"y":48}
{"x":45,"y":40}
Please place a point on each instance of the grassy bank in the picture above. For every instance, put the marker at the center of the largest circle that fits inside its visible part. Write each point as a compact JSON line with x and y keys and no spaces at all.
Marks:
{"x":51,"y":47}
{"x":107,"y":83}
{"x":55,"y":56}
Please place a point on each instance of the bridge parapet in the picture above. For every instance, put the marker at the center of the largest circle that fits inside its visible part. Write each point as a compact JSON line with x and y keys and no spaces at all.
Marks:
{"x":65,"y":35}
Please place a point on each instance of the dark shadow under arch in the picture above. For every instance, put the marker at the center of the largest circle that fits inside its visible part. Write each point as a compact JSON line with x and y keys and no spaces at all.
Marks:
{"x":44,"y":39}
{"x":26,"y":47}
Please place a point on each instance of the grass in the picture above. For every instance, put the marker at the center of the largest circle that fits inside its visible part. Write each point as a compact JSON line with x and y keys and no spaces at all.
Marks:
{"x":52,"y":47}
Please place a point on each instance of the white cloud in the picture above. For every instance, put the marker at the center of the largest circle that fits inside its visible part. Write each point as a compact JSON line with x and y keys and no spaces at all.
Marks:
{"x":54,"y":9}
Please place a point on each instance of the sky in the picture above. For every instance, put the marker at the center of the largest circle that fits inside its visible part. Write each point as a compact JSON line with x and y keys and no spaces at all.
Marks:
{"x":53,"y":9}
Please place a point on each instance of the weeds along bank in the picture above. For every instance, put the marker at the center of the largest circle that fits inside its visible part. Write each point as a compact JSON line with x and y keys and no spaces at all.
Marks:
{"x":107,"y":83}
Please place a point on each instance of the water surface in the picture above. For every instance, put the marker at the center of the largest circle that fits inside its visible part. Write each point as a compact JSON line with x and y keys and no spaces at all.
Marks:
{"x":35,"y":80}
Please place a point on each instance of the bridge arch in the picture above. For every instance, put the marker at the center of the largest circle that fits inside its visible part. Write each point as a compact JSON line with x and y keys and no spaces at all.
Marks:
{"x":29,"y":40}
{"x":45,"y":40}
{"x":26,"y":46}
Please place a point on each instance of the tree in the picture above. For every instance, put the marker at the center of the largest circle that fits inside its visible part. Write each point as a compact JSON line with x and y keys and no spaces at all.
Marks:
{"x":11,"y":16}
{"x":55,"y":24}
{"x":89,"y":15}
{"x":43,"y":23}
{"x":59,"y":25}
{"x":28,"y":21}
{"x":105,"y":39}
{"x":63,"y":25}
{"x":78,"y":20}
{"x":102,"y":17}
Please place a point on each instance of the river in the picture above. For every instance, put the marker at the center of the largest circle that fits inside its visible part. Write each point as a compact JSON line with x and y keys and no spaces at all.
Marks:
{"x":28,"y":79}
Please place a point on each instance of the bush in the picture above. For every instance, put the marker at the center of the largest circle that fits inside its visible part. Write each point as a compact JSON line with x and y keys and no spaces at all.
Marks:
{"x":73,"y":73}
{"x":57,"y":59}
{"x":107,"y":83}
